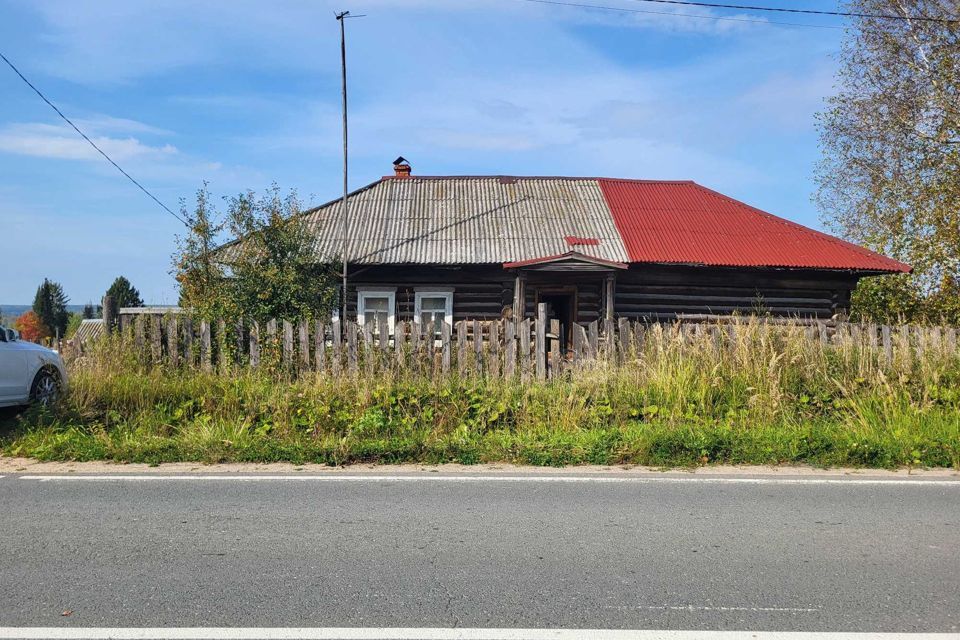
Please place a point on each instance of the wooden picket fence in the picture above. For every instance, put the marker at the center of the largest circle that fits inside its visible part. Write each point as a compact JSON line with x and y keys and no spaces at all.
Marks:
{"x":528,"y":349}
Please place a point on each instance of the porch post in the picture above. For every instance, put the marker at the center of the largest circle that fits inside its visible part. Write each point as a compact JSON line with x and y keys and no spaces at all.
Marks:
{"x":608,"y":296}
{"x":519,"y":296}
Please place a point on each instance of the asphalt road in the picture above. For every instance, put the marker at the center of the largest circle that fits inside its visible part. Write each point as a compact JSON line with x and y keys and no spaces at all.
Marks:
{"x":535,"y":553}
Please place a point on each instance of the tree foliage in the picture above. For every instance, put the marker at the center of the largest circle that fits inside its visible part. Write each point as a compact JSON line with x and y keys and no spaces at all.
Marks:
{"x":196,"y":267}
{"x":31,"y":327}
{"x":90,"y":311}
{"x":124,"y":293}
{"x":50,"y":305}
{"x":269,"y":271}
{"x":891,"y":144}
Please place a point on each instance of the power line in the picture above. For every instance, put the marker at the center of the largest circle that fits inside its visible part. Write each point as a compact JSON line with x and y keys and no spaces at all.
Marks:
{"x":92,"y":143}
{"x":843,"y":14}
{"x":683,"y":15}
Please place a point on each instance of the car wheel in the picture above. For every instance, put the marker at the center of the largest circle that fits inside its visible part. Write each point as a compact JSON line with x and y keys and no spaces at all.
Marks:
{"x":46,"y":388}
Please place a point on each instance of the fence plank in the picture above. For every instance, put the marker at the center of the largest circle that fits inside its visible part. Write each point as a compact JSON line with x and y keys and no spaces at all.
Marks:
{"x":188,"y":356}
{"x":173,"y":346}
{"x":320,"y":345}
{"x":593,"y":340}
{"x":887,"y":343}
{"x":205,"y":355}
{"x":462,"y":347}
{"x":255,"y":344}
{"x":287,"y":345}
{"x":509,"y":348}
{"x":138,"y":332}
{"x":351,"y":329}
{"x":369,"y":358}
{"x":541,"y":341}
{"x":336,"y":356}
{"x":445,"y":346}
{"x":525,"y":364}
{"x":555,"y":359}
{"x":399,"y":344}
{"x":156,"y":346}
{"x":951,"y":340}
{"x":493,"y":351}
{"x":623,"y":326}
{"x":478,"y":347}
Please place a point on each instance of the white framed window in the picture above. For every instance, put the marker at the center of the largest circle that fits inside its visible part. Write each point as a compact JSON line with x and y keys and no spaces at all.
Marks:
{"x":433,"y":304}
{"x":376,"y":306}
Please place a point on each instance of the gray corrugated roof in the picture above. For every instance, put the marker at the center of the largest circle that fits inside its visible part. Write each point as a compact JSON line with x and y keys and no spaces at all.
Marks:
{"x":88,"y":330}
{"x":468,"y":220}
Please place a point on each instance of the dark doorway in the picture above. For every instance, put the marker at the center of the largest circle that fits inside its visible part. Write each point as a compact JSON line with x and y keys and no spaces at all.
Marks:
{"x":562,"y":306}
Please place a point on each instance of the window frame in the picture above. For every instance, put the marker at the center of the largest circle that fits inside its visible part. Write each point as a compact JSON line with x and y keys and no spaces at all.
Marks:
{"x":419,"y":293}
{"x":390,"y":293}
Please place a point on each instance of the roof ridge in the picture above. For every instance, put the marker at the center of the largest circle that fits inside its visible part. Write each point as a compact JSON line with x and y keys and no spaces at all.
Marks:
{"x":796,"y":225}
{"x":533,"y":177}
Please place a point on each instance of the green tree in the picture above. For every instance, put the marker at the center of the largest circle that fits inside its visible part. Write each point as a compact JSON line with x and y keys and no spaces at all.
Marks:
{"x":50,"y":305}
{"x":124,"y":293}
{"x":269,"y":271}
{"x":274,"y":270}
{"x":891,"y":155}
{"x":196,"y":267}
{"x":90,"y":311}
{"x":73,"y":323}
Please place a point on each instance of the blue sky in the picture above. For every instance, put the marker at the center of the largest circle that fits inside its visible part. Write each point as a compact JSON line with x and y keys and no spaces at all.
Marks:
{"x":243,"y":94}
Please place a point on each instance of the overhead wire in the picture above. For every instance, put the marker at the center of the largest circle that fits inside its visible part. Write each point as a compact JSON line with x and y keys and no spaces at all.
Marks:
{"x":91,"y":142}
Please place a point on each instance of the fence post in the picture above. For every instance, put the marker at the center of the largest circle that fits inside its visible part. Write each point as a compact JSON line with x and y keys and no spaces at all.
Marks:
{"x":593,"y":340}
{"x":541,"y":341}
{"x":951,"y":339}
{"x":109,"y":314}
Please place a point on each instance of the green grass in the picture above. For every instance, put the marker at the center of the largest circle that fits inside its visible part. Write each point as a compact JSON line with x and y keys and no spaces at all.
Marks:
{"x":773,"y":399}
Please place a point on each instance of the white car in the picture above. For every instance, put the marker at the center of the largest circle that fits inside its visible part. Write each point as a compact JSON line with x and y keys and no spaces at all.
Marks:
{"x":28,"y":371}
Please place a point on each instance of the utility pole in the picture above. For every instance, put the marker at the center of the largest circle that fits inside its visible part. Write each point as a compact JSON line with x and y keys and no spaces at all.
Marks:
{"x":341,"y":18}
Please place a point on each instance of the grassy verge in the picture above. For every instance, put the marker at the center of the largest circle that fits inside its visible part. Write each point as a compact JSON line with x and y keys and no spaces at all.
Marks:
{"x":782,"y":400}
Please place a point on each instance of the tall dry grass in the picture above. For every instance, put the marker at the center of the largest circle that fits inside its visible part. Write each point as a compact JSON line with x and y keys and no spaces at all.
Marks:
{"x":754,"y":394}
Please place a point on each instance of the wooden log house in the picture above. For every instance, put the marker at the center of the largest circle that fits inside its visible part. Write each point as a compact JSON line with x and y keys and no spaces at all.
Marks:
{"x":451,"y":248}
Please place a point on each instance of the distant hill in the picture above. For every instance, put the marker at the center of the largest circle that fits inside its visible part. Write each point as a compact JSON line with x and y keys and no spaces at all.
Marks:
{"x":10,"y":312}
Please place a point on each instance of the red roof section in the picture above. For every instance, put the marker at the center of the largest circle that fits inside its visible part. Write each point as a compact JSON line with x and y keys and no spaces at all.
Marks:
{"x":683,"y":222}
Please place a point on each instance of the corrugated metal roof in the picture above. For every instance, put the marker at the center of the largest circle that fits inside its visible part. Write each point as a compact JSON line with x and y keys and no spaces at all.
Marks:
{"x":683,"y":222}
{"x":507,"y":219}
{"x":468,"y":220}
{"x":88,"y":330}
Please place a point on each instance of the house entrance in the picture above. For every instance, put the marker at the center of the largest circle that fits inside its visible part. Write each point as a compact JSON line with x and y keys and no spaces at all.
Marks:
{"x":562,"y":306}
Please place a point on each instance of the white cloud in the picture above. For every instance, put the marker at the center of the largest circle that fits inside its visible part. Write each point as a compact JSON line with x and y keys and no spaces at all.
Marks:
{"x":62,"y":142}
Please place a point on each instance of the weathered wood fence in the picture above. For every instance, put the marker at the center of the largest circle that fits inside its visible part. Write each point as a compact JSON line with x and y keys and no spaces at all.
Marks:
{"x":532,"y":348}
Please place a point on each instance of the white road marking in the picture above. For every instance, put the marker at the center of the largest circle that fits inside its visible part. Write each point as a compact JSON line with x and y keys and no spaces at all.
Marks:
{"x":404,"y":633}
{"x":480,"y":479}
{"x":691,"y":607}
